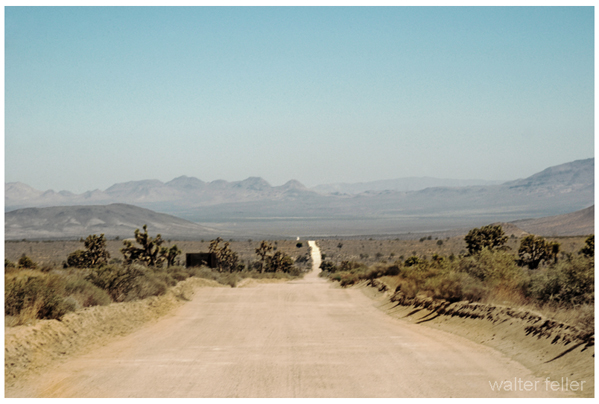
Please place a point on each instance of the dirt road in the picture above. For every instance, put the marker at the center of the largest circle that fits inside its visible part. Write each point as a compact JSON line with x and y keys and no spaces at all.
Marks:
{"x":305,"y":338}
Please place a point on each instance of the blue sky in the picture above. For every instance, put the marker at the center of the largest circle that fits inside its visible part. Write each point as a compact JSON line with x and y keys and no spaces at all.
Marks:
{"x":96,"y":96}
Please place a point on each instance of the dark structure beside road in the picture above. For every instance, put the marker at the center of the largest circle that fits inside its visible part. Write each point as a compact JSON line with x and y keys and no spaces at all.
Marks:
{"x":199,"y":259}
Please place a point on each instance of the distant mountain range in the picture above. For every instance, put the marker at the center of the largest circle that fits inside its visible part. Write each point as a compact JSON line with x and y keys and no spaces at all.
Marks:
{"x":253,"y":205}
{"x":400,"y":184}
{"x":180,"y":192}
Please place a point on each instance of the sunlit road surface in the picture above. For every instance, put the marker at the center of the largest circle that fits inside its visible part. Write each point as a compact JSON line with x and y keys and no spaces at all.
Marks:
{"x":305,"y":338}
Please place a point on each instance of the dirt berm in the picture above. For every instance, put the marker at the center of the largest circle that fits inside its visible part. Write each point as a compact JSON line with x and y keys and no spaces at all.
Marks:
{"x":30,"y":349}
{"x":548,"y":348}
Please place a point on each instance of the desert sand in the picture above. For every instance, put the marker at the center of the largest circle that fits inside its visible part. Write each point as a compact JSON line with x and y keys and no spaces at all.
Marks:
{"x":303,"y":338}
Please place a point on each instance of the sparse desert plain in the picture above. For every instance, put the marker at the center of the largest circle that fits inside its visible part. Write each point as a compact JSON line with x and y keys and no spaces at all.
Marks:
{"x":301,"y":337}
{"x":285,"y":202}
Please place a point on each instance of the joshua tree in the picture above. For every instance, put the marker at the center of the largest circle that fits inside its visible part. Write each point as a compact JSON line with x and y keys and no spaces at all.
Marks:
{"x":170,"y":254}
{"x":94,"y":255}
{"x":279,"y":262}
{"x":148,"y":253}
{"x":491,"y":237}
{"x":589,"y":247}
{"x":535,"y":249}
{"x":262,"y":252}
{"x":226,"y":259}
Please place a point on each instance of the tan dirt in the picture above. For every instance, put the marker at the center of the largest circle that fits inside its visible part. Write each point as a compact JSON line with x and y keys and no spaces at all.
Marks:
{"x":303,"y":338}
{"x":29,"y":350}
{"x":551,"y":349}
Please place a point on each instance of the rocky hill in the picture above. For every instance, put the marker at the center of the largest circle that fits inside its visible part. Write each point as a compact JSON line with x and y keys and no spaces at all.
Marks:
{"x":581,"y":222}
{"x":72,"y":222}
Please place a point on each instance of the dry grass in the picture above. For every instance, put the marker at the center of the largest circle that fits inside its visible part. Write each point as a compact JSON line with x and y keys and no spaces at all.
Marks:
{"x":370,"y":251}
{"x":562,"y":290}
{"x":56,"y":252}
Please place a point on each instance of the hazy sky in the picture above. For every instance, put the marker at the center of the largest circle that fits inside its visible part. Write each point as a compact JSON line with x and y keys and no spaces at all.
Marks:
{"x":95,"y":96}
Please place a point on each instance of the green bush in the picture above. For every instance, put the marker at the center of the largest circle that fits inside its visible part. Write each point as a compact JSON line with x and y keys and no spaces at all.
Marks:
{"x":85,"y":293}
{"x":569,"y":283}
{"x":413,"y":260}
{"x":352,"y":266}
{"x":116,"y":280}
{"x":179,"y":273}
{"x":205,"y":273}
{"x":490,"y":237}
{"x":454,"y":287}
{"x":150,"y":283}
{"x":26,"y":262}
{"x":328,"y":266}
{"x":34,"y":295}
{"x":589,"y":247}
{"x":493,"y":267}
{"x":379,"y":270}
{"x":77,"y":259}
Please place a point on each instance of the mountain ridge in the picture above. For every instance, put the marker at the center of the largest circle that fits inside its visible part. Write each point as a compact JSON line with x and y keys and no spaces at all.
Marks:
{"x":242,"y":204}
{"x":114,"y":220}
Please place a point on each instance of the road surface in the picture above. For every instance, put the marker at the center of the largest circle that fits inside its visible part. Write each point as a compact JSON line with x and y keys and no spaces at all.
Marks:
{"x":305,"y":338}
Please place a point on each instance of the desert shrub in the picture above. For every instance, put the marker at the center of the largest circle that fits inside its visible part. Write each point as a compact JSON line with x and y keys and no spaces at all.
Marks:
{"x":77,"y":259}
{"x":26,"y":262}
{"x":205,"y":273}
{"x":568,"y":283}
{"x":179,"y":273}
{"x":379,"y":270}
{"x":135,"y":281}
{"x":349,"y":278}
{"x":95,"y":253}
{"x":490,"y":237}
{"x":407,"y":288}
{"x":534,"y":250}
{"x":226,"y":259}
{"x":295,"y":271}
{"x":392,"y":270}
{"x":34,"y":295}
{"x":150,"y":283}
{"x":47,"y":268}
{"x":116,"y":280}
{"x":9,"y":266}
{"x":454,"y":287}
{"x":71,"y":304}
{"x":302,"y":259}
{"x":413,"y":278}
{"x":589,"y":247}
{"x":413,"y":260}
{"x":85,"y":293}
{"x":150,"y":251}
{"x":351,"y":266}
{"x":230,"y":279}
{"x":583,"y":317}
{"x":328,"y":266}
{"x":493,"y":267}
{"x":278,"y":262}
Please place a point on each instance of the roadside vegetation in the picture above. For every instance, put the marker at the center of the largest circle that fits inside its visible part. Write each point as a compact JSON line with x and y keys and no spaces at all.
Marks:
{"x":535,"y":275}
{"x":89,"y":277}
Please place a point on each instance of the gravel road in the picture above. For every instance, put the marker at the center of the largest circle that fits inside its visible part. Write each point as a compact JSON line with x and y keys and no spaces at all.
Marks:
{"x":305,"y":338}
